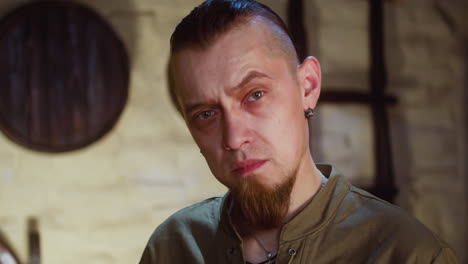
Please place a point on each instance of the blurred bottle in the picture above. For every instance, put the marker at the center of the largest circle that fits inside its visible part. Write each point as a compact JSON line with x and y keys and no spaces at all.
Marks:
{"x":34,"y":242}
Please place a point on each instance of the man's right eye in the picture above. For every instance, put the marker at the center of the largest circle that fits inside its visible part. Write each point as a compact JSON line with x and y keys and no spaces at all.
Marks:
{"x":205,"y":115}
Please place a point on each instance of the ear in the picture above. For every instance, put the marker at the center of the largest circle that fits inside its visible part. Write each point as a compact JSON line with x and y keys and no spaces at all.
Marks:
{"x":310,"y":77}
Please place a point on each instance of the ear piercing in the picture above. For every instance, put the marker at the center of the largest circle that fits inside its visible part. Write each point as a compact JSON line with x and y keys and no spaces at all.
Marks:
{"x":309,"y":113}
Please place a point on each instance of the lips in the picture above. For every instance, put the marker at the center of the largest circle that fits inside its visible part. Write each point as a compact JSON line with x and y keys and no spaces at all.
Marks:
{"x":247,"y":166}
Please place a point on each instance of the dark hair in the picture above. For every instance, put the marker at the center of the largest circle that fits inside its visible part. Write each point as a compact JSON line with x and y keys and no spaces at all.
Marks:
{"x":212,"y":18}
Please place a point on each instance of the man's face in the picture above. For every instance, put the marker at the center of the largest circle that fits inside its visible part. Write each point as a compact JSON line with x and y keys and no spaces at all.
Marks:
{"x":244,"y":106}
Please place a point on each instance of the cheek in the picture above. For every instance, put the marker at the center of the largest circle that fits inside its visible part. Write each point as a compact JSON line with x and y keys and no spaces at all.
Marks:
{"x":208,"y":145}
{"x":214,"y":164}
{"x":289,"y":130}
{"x":204,"y":138}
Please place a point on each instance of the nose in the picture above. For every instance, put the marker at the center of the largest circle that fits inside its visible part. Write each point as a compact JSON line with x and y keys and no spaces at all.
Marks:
{"x":236,"y":132}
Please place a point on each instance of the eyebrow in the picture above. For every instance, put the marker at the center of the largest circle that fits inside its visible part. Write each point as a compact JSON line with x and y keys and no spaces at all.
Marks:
{"x":251,"y":75}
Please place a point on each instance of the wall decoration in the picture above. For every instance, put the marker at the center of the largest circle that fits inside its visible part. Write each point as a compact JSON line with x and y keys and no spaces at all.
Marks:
{"x":64,"y":76}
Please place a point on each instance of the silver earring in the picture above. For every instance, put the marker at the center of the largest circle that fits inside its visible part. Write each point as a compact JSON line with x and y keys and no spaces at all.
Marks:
{"x":309,"y":113}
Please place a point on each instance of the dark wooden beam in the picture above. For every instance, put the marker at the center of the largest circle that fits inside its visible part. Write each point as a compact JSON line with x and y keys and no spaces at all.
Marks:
{"x":465,"y":107}
{"x":384,"y":179}
{"x":297,"y":27}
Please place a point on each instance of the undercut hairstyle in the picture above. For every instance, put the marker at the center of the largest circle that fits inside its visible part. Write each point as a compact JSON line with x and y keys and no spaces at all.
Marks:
{"x":211,"y":19}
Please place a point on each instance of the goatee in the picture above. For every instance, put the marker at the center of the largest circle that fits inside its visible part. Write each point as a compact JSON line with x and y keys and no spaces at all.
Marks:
{"x":262,"y":207}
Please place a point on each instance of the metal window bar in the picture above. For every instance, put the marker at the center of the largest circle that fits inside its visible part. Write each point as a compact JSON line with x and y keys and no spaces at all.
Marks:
{"x":376,"y":99}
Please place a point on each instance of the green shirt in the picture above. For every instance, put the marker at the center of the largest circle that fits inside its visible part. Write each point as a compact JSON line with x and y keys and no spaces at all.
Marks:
{"x":342,"y":224}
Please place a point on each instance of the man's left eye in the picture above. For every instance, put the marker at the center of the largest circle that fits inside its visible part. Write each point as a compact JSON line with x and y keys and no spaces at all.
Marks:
{"x":255,"y":96}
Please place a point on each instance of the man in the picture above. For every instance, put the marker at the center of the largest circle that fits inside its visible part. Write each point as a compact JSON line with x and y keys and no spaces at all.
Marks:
{"x":246,"y":100}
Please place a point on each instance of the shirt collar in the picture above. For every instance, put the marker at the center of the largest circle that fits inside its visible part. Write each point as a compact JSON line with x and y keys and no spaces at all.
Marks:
{"x":321,"y":209}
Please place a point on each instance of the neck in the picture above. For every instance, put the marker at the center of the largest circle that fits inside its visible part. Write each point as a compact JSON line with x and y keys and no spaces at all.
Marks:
{"x":308,"y":183}
{"x":255,"y":251}
{"x":257,"y":246}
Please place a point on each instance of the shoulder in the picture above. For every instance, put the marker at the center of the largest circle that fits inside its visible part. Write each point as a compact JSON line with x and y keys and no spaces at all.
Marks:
{"x":201,"y":217}
{"x":382,"y":211}
{"x":389,"y":225}
{"x":181,"y":237}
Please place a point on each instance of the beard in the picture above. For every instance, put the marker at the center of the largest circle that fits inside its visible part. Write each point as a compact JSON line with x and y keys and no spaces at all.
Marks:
{"x":262,"y":207}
